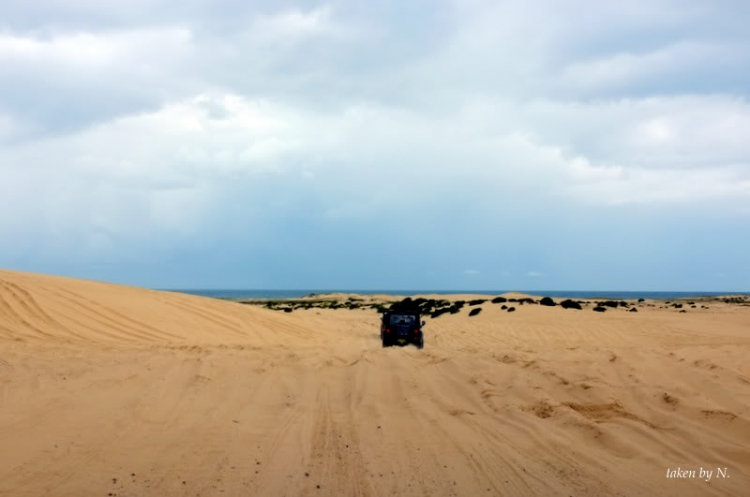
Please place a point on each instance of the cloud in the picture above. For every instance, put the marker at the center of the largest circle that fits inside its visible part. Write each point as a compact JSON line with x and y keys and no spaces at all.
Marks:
{"x":297,"y":26}
{"x":534,"y":274}
{"x":667,"y":66}
{"x":429,"y":124}
{"x":62,"y":82}
{"x":203,"y":155}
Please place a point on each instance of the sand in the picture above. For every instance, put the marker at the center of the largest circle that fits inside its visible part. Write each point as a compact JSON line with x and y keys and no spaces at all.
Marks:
{"x":115,"y":390}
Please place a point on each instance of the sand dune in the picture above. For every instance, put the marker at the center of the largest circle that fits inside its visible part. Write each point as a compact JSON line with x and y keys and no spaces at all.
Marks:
{"x":114,"y":390}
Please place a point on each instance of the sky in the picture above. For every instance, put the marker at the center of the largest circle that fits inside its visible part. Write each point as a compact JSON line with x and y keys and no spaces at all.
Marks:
{"x":455,"y":145}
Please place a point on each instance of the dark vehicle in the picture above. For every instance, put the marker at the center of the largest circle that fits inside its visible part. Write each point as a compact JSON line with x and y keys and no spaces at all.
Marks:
{"x":401,"y":328}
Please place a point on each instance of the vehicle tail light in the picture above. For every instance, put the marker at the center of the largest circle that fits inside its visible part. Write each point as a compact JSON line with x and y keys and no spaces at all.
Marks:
{"x":387,"y":330}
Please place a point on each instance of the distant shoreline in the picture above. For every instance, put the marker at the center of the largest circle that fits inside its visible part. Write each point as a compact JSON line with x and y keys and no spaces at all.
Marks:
{"x":292,"y":294}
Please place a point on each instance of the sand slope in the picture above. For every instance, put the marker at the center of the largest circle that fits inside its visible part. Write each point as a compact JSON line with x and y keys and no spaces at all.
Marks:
{"x":106,"y":389}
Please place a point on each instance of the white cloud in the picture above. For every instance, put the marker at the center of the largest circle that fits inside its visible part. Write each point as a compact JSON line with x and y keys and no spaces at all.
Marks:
{"x":296,"y":25}
{"x":7,"y":127}
{"x":534,"y":274}
{"x":671,"y":62}
{"x":181,"y":165}
{"x":92,"y":50}
{"x":174,"y":124}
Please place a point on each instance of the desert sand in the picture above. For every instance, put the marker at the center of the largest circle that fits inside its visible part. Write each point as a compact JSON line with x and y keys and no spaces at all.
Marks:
{"x":114,"y":390}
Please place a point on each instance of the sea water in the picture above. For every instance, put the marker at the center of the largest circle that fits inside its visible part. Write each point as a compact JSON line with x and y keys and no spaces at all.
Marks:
{"x":571,"y":294}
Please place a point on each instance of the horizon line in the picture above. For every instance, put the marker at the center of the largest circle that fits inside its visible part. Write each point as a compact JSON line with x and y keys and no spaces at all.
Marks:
{"x":352,"y":290}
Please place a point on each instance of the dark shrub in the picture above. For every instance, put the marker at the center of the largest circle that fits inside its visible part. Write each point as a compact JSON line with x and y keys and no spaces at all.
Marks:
{"x":600,"y":309}
{"x":547,"y":301}
{"x":477,"y":301}
{"x":454,"y":310}
{"x":624,"y":304}
{"x":511,"y":309}
{"x":570,"y":304}
{"x":633,"y":310}
{"x":407,"y":305}
{"x":677,"y":306}
{"x":499,"y":300}
{"x":641,"y":300}
{"x":504,"y":307}
{"x":476,"y":311}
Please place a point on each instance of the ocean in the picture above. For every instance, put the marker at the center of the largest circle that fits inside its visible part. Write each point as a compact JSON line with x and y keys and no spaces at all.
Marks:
{"x":572,"y":294}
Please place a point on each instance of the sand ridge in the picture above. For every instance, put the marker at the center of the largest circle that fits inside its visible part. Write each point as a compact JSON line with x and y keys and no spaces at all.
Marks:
{"x":108,"y":389}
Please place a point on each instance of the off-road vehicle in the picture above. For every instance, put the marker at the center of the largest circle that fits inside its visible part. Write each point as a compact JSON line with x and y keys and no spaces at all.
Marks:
{"x":402,"y":328}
